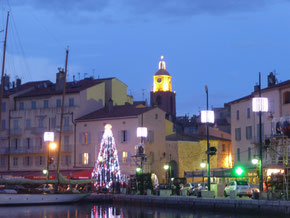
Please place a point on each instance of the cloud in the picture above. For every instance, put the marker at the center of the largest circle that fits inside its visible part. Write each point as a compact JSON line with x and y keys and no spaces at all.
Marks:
{"x":114,"y":10}
{"x":57,"y":6}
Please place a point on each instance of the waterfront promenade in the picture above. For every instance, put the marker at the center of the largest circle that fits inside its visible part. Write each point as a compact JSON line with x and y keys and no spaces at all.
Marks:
{"x":216,"y":204}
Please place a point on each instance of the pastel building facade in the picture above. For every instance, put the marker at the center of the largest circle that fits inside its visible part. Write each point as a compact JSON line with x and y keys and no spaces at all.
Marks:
{"x":37,"y":109}
{"x":245,"y":123}
{"x":124,"y":120}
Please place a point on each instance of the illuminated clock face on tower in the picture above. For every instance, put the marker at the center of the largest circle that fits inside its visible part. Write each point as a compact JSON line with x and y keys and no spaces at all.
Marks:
{"x":159,"y":80}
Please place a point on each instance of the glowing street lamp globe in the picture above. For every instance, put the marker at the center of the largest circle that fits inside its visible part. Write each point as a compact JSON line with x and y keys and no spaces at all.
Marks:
{"x":202,"y":165}
{"x":255,"y":161}
{"x":166,"y":167}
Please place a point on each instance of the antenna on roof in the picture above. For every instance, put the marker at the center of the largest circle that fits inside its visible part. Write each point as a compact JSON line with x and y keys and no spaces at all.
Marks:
{"x":143,"y":93}
{"x":79,"y":74}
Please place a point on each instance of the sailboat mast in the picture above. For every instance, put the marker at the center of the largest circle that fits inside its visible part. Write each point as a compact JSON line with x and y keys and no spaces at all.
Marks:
{"x":3,"y":68}
{"x":61,"y":114}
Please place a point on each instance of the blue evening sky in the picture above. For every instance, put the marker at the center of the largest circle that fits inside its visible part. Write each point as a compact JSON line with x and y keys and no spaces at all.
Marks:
{"x":221,"y":43}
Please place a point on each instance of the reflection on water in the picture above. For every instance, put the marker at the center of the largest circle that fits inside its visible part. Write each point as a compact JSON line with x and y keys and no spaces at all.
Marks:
{"x":107,"y":211}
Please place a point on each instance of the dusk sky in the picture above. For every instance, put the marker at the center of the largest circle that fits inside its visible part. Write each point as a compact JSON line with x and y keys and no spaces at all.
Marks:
{"x":220,"y":43}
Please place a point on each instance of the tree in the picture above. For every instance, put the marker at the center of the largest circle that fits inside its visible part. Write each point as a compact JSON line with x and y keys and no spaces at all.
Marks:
{"x":107,"y":168}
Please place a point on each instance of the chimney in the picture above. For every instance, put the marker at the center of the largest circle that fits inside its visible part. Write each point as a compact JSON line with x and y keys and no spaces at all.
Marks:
{"x":6,"y":82}
{"x":256,"y":88}
{"x":272,"y":80}
{"x":110,"y":105}
{"x":59,"y":80}
{"x":13,"y":84}
{"x":18,"y":83}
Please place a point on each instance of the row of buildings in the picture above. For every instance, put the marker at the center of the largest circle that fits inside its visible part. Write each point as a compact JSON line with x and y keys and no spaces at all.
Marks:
{"x":30,"y":109}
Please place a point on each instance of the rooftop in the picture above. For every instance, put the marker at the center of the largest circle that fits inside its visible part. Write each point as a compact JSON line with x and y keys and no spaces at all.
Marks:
{"x":71,"y":87}
{"x":127,"y":110}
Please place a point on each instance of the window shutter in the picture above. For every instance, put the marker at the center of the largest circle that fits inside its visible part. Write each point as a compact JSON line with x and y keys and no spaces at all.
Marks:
{"x":128,"y":135}
{"x":81,"y":159}
{"x":63,"y":160}
{"x":129,"y":156}
{"x":81,"y":138}
{"x":119,"y":136}
{"x":24,"y":144}
{"x":69,"y":160}
{"x":90,"y":159}
{"x":89,"y":138}
{"x":23,"y":159}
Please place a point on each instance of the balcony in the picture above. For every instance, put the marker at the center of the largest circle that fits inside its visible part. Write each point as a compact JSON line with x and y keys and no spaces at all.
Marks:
{"x":38,"y":130}
{"x":66,"y":148}
{"x":4,"y":151}
{"x":16,"y":132}
{"x":67,"y":129}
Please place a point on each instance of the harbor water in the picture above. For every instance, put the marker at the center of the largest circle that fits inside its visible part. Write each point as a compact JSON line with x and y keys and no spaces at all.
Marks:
{"x":90,"y":210}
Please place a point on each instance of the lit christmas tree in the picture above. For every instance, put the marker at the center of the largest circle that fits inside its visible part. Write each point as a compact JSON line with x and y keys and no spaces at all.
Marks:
{"x":107,"y":167}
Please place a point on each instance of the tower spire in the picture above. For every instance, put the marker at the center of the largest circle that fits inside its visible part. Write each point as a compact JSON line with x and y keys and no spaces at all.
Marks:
{"x":162,"y":64}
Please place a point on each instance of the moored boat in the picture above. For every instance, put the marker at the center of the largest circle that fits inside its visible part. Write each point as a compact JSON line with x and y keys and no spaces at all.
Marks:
{"x":23,"y":199}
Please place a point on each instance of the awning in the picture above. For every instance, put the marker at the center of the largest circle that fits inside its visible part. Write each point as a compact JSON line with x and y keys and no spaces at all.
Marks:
{"x":85,"y":174}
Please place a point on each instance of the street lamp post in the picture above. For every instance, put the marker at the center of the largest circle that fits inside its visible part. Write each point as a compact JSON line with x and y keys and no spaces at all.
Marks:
{"x":48,"y":137}
{"x":202,"y":165}
{"x":207,"y":117}
{"x":52,"y":146}
{"x":167,"y":167}
{"x":260,"y":105}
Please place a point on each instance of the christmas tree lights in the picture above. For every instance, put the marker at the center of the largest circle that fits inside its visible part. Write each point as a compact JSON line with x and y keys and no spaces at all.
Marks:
{"x":107,"y":168}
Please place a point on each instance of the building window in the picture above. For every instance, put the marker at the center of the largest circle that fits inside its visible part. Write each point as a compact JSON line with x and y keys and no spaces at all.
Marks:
{"x":58,"y":103}
{"x":2,"y":162}
{"x":53,"y":122}
{"x":15,"y":124}
{"x":27,"y":161}
{"x":248,"y":113}
{"x":16,"y":144}
{"x":28,"y":124}
{"x":71,"y":102}
{"x":45,"y":104}
{"x":3,"y":124}
{"x":156,"y":116}
{"x":238,"y":155}
{"x":40,"y":123}
{"x":223,"y":147}
{"x":85,"y":158}
{"x":124,"y":156}
{"x":238,"y":134}
{"x":66,"y":121}
{"x":21,"y":106}
{"x":15,"y":161}
{"x":3,"y":106}
{"x":286,"y":96}
{"x":33,"y":105}
{"x":41,"y":160}
{"x":249,"y":154}
{"x":249,"y":132}
{"x":123,"y":136}
{"x":238,"y":115}
{"x":27,"y":143}
{"x":85,"y":138}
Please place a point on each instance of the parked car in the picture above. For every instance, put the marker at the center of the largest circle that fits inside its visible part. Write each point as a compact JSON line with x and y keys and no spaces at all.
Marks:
{"x":189,"y":187}
{"x":242,"y":188}
{"x":255,"y":188}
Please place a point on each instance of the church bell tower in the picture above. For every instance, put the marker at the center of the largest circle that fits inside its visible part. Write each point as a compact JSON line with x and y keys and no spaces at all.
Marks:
{"x":162,"y":94}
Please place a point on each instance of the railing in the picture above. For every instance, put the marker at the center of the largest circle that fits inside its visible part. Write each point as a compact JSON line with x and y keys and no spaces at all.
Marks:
{"x":38,"y":130}
{"x":4,"y":151}
{"x":66,"y":148}
{"x":67,"y":129}
{"x":16,"y":132}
